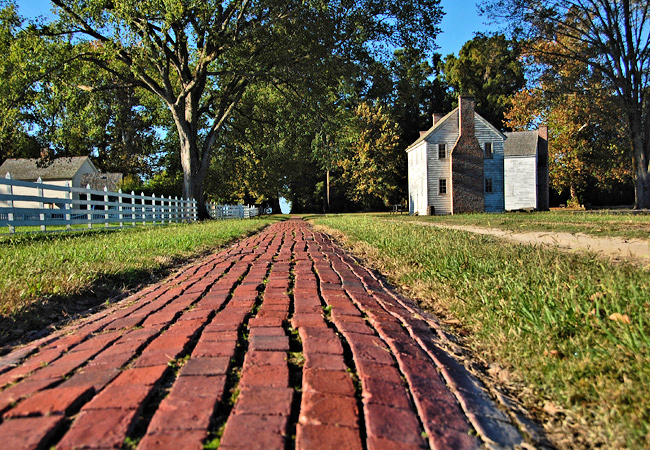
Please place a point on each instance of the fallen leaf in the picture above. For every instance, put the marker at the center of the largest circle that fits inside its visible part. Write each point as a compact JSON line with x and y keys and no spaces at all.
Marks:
{"x":596,"y":296}
{"x":618,"y":317}
{"x":452,"y":322}
{"x":551,"y":409}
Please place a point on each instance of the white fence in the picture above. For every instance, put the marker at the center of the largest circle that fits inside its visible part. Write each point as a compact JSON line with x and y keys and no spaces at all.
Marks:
{"x":44,"y":205}
{"x":232,"y":211}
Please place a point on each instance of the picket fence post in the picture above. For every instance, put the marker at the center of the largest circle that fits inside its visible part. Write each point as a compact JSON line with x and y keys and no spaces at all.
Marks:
{"x":68,"y":206}
{"x":106,"y":218}
{"x":119,"y":207}
{"x":41,"y":205}
{"x":144,"y":209}
{"x":10,"y":216}
{"x":90,"y":207}
{"x":132,"y":208}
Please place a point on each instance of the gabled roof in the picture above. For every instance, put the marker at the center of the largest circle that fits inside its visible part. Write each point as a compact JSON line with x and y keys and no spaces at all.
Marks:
{"x":97,"y":181}
{"x":520,"y":143}
{"x":428,"y":133}
{"x":33,"y":168}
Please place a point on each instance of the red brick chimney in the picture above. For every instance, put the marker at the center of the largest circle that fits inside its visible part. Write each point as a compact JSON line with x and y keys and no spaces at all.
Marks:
{"x":437,"y":117}
{"x":467,"y":163}
{"x":466,"y":115}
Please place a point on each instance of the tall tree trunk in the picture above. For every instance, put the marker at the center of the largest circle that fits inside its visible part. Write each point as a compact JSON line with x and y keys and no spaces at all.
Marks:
{"x":193,"y":176}
{"x":640,"y":165}
{"x":328,"y":190}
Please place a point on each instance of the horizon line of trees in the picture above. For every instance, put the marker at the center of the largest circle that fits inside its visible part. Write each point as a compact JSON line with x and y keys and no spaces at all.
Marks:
{"x":289,"y":102}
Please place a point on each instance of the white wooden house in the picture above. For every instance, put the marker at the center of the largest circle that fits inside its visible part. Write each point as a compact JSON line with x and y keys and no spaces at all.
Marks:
{"x":457,"y":165}
{"x":526,"y":170}
{"x":57,"y":172}
{"x":464,"y":164}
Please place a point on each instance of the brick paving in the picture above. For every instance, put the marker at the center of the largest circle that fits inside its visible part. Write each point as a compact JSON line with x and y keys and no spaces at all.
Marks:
{"x":283,"y":340}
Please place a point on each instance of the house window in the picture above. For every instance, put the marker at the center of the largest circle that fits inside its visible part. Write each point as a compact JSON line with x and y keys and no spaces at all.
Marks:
{"x":442,"y":151}
{"x":442,"y":186}
{"x":488,"y":185}
{"x":487,"y":150}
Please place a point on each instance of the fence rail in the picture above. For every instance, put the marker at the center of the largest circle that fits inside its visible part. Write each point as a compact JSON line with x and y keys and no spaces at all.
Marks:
{"x":46,"y":205}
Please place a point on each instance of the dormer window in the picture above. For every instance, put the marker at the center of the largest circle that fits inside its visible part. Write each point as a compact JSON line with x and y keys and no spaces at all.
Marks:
{"x":487,"y":150}
{"x":442,"y":151}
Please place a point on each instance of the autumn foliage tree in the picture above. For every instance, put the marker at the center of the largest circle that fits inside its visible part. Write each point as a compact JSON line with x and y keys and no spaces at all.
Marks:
{"x":609,"y":37}
{"x":369,"y":164}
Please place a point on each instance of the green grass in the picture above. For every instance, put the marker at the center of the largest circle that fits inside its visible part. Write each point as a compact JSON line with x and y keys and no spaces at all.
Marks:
{"x":629,"y":226}
{"x":541,"y":314}
{"x":38,"y":268}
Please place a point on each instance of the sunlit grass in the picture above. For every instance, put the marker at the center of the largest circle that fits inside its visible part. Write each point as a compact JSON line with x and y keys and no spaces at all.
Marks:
{"x":594,"y":223}
{"x":34,"y":267}
{"x":573,"y":327}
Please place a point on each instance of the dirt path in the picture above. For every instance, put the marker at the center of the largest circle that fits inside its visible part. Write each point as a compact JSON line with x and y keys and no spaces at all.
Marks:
{"x":281,"y":335}
{"x":635,"y":250}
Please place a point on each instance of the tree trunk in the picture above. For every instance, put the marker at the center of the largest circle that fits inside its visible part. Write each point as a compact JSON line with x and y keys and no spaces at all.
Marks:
{"x":328,"y":190}
{"x":193,"y":176}
{"x":640,"y":165}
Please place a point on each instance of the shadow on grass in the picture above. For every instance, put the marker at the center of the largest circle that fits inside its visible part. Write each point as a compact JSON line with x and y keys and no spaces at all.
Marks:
{"x":48,"y":314}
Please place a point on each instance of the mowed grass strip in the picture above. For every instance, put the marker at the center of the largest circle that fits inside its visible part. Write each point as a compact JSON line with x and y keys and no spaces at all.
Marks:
{"x":572,"y":331}
{"x":630,"y":226}
{"x":35,"y":267}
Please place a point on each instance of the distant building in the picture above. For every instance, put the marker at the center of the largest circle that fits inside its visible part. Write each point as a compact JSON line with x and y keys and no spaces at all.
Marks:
{"x":99,"y":181}
{"x":458,"y":166}
{"x":525,"y":166}
{"x":58,"y":171}
{"x":76,"y":171}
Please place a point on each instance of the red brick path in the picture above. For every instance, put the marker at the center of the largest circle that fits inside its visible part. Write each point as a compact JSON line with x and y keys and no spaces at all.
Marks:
{"x":282,"y":340}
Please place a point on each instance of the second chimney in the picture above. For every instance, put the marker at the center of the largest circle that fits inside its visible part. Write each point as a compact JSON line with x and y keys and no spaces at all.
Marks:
{"x":466,"y":115}
{"x":437,"y":117}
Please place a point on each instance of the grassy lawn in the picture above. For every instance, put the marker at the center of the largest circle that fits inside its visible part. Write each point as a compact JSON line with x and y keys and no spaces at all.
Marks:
{"x":629,"y":226}
{"x":569,"y":333}
{"x":45,"y":276}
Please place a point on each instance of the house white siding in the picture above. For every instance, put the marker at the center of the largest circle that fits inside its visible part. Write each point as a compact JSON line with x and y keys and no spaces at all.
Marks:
{"x":492,"y":168}
{"x":520,"y":190}
{"x":438,"y":168}
{"x":417,"y":179}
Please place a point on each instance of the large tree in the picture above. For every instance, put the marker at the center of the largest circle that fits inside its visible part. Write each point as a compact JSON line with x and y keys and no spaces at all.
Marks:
{"x":489,"y":69}
{"x":200,"y":56}
{"x":611,"y":37}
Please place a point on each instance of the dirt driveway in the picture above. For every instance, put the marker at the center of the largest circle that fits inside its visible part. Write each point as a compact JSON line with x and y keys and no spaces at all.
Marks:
{"x":613,"y":248}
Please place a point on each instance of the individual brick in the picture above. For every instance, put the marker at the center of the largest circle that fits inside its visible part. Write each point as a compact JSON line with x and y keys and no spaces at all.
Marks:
{"x":254,"y":432}
{"x":205,"y":366}
{"x":29,"y":432}
{"x":60,"y":400}
{"x":328,"y":409}
{"x":326,"y":436}
{"x":99,"y":428}
{"x":264,"y":401}
{"x":327,"y":381}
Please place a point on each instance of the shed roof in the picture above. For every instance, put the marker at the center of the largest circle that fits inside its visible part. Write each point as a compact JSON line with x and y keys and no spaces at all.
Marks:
{"x":34,"y":168}
{"x":97,"y":181}
{"x":520,"y":143}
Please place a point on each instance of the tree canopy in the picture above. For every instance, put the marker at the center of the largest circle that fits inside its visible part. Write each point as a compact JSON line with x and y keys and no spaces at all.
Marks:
{"x":199,"y":57}
{"x":612,"y":39}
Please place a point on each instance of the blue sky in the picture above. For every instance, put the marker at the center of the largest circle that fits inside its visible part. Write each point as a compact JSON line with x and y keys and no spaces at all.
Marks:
{"x":460,"y":23}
